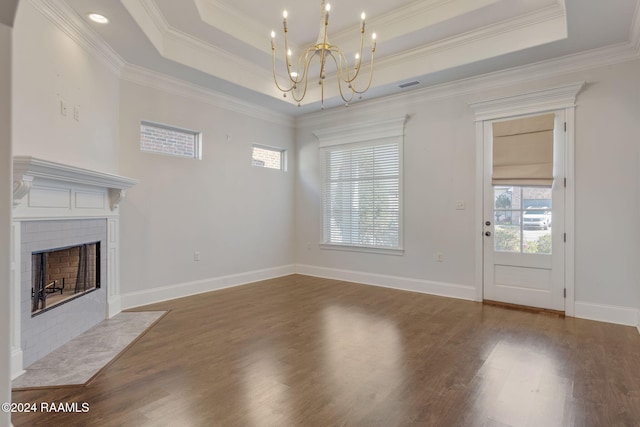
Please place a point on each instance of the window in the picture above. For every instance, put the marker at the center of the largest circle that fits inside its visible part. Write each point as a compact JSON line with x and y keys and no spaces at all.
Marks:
{"x":162,"y":139}
{"x":267,"y":157}
{"x":361,"y":197}
{"x":361,"y":167}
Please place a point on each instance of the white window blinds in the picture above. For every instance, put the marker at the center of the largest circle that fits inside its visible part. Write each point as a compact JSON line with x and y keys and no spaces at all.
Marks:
{"x":361,"y":194}
{"x":523,"y":151}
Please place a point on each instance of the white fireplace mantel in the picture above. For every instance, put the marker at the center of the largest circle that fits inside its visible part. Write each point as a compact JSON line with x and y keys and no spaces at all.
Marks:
{"x":49,"y":191}
{"x":64,"y":188}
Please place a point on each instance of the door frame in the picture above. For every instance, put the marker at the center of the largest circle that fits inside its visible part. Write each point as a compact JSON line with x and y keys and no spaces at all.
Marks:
{"x":533,"y":102}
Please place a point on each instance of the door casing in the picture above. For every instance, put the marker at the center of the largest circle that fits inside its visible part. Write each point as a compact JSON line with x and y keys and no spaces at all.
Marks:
{"x":532,"y":102}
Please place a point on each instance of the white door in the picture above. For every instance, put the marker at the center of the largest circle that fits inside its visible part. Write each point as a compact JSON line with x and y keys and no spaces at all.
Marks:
{"x":524,"y":233}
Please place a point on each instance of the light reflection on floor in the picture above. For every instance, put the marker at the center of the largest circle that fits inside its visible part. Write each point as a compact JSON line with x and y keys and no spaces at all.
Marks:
{"x":522,"y":386}
{"x":362,"y":354}
{"x":266,"y":396}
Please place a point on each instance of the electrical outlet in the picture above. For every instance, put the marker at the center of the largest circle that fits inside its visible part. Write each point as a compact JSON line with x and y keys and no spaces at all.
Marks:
{"x":196,"y":256}
{"x":76,"y":113}
{"x":460,"y":205}
{"x":439,"y":256}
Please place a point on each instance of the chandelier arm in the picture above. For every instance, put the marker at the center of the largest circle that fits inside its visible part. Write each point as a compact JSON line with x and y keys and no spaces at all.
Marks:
{"x":275,"y":76}
{"x":345,"y":99}
{"x":303,"y":63}
{"x":342,"y":65}
{"x":360,"y":92}
{"x":357,"y":65}
{"x":305,"y":76}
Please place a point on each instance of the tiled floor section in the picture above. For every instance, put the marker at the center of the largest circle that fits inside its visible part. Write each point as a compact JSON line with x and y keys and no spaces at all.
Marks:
{"x":81,"y":358}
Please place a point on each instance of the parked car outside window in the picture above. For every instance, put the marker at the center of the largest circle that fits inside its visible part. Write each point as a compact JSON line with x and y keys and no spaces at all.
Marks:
{"x":537,"y":218}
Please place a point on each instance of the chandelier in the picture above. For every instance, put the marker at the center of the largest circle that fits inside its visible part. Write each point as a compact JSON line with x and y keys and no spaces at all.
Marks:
{"x":324,"y":52}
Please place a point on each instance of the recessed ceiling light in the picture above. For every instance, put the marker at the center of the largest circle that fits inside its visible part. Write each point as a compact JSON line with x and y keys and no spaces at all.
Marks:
{"x":100,"y":19}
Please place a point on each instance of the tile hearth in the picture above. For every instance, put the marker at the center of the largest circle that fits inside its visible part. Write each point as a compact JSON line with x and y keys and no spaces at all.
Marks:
{"x":82,"y":358}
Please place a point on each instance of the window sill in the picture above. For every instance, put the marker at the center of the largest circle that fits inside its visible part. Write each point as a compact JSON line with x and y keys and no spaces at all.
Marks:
{"x":367,"y":249}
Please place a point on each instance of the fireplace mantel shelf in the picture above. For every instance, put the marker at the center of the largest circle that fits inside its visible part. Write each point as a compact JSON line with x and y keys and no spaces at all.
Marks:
{"x":26,"y":169}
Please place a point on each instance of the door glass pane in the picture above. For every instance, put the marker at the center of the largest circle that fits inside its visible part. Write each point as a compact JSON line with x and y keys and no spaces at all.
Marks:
{"x":522,"y":218}
{"x":506,"y":197}
{"x":536,"y":220}
{"x":507,"y":233}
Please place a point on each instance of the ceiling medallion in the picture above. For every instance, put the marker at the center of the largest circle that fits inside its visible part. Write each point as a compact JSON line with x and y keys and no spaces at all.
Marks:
{"x":323,"y":50}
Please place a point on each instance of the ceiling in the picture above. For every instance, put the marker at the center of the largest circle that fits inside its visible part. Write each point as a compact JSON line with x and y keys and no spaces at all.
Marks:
{"x":225,"y":45}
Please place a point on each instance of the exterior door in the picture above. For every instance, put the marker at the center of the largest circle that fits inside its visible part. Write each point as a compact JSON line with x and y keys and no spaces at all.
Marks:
{"x":523,"y":246}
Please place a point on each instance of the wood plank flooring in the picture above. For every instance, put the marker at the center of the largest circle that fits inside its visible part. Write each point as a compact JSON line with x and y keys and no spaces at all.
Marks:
{"x":304,"y":351}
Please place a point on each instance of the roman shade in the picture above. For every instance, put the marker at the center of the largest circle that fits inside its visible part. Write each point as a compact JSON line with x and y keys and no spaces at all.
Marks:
{"x":523,"y":151}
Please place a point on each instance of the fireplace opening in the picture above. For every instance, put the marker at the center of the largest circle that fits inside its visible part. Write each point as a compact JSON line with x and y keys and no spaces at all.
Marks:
{"x":63,"y":274}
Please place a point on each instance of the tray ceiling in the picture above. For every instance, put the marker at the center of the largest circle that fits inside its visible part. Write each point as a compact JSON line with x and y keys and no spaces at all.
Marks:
{"x":224,"y":45}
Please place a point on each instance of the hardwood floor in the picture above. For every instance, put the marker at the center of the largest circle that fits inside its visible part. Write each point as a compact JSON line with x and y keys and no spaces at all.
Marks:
{"x":304,"y":351}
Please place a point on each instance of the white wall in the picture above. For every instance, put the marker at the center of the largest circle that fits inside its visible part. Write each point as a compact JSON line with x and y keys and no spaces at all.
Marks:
{"x":5,"y":218}
{"x":50,"y":67}
{"x":239,"y":217}
{"x":439,"y":168}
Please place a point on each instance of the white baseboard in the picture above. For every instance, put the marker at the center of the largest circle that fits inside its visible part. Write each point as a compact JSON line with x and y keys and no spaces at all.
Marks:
{"x":607,"y":313}
{"x":114,"y":306}
{"x":164,"y":293}
{"x":394,"y":282}
{"x":16,"y":362}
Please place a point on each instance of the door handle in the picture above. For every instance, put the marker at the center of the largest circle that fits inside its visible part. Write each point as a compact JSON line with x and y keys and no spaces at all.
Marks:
{"x":487,"y":233}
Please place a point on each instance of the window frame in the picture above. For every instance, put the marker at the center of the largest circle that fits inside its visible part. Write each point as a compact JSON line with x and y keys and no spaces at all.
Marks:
{"x":358,"y":136}
{"x":281,"y":151}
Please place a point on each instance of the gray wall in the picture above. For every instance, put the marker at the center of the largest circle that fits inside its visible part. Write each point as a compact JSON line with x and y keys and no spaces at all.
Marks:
{"x":237,"y":216}
{"x":439,"y":168}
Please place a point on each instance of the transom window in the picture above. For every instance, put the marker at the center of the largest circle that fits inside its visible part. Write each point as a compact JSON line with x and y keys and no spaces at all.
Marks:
{"x":268,"y":157}
{"x":173,"y":141}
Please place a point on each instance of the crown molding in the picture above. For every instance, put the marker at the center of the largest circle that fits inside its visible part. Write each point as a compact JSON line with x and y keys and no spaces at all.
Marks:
{"x":534,"y":28}
{"x":596,"y":58}
{"x":255,"y":33}
{"x":472,"y":41}
{"x":176,"y":45}
{"x":174,"y":86}
{"x":68,"y":21}
{"x":541,"y":26}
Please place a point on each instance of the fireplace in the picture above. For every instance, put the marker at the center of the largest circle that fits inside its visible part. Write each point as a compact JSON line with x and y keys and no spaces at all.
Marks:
{"x":62,"y":274}
{"x":60,"y":316}
{"x":64,"y":251}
